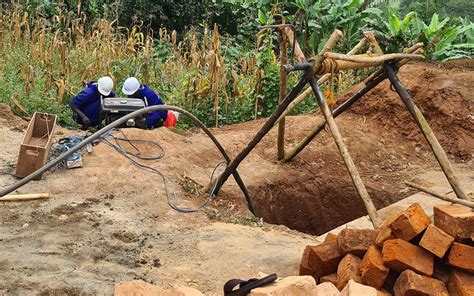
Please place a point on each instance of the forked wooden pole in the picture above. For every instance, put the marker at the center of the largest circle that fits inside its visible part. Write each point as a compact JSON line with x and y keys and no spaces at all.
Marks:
{"x":425,"y":128}
{"x":374,"y":81}
{"x":321,"y":80}
{"x":356,"y":179}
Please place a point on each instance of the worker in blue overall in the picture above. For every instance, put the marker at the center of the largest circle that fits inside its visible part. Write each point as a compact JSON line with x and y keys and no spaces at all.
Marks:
{"x":133,"y":89}
{"x":86,"y":105}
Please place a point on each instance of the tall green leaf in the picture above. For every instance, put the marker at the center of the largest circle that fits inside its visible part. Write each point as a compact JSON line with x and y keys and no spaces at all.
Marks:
{"x":394,"y":23}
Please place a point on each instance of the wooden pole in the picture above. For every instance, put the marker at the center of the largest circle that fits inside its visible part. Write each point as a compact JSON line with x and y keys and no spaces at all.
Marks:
{"x":425,"y":128}
{"x":372,"y":60}
{"x":329,"y":45}
{"x":417,"y":48}
{"x":290,"y":36}
{"x":356,"y":179}
{"x":441,"y":196}
{"x":374,"y":81}
{"x":22,"y":197}
{"x":373,"y":42}
{"x":339,"y":110}
{"x":321,"y":80}
{"x":267,"y":126}
{"x":283,"y":85}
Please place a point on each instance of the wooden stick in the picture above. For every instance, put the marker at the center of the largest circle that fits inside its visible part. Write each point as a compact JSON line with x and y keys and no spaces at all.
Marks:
{"x":356,"y":179}
{"x":302,"y":96}
{"x":338,"y":111}
{"x":358,"y":46}
{"x":372,"y":59}
{"x":22,"y":197}
{"x":290,"y":36}
{"x":373,"y":42}
{"x":441,"y":196}
{"x":416,"y":49}
{"x":329,"y":45}
{"x":283,"y":85}
{"x":369,"y":85}
{"x":425,"y":129}
{"x":321,"y":80}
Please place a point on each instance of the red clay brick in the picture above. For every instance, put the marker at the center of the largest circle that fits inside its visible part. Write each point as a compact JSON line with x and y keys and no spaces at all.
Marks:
{"x":384,"y":234}
{"x":330,"y":278}
{"x":355,"y":289}
{"x":400,"y":255}
{"x":461,"y":284}
{"x":373,"y":272}
{"x":413,"y":222}
{"x":455,"y":220}
{"x":355,"y":241}
{"x":324,"y":259}
{"x":304,"y":265}
{"x":330,"y":237}
{"x":383,"y":293}
{"x":461,"y":257}
{"x":348,"y":269}
{"x":410,"y":283}
{"x":436,"y":241}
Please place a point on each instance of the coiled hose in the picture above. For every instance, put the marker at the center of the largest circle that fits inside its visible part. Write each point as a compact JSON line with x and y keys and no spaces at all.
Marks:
{"x":117,"y":123}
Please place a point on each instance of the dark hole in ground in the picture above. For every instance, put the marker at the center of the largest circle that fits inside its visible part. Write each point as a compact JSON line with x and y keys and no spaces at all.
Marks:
{"x":316,"y":205}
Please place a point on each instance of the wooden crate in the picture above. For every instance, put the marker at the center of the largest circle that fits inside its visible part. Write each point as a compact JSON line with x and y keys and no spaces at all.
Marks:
{"x":36,"y":144}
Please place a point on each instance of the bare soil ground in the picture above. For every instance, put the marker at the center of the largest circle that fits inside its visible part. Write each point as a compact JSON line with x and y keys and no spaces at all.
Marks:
{"x":109,"y":221}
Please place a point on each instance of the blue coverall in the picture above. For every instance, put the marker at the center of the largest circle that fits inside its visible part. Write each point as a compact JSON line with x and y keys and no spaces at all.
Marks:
{"x":154,"y":118}
{"x":88,"y":101}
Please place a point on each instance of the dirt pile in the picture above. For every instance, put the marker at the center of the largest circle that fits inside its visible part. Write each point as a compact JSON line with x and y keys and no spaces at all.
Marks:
{"x":445,"y":98}
{"x":405,"y":255}
{"x":10,"y":119}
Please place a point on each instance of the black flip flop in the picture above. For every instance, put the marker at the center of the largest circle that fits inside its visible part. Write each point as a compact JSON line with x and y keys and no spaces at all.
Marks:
{"x":246,"y":286}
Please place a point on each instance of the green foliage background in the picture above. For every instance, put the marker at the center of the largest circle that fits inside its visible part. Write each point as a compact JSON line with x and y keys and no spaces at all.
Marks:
{"x":445,"y":27}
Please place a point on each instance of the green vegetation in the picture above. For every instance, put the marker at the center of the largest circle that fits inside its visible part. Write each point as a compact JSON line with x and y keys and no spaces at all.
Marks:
{"x":221,"y":72}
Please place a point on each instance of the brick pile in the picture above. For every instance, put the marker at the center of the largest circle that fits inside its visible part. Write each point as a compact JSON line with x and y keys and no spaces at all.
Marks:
{"x":407,"y":254}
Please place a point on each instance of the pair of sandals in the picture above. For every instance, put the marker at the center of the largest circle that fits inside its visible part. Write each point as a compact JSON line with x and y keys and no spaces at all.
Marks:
{"x":246,"y":286}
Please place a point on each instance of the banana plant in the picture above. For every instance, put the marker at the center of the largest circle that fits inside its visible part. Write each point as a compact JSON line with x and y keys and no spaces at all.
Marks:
{"x":444,"y":43}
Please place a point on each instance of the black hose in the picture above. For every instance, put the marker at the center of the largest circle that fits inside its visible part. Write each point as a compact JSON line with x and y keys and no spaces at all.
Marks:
{"x":117,"y":123}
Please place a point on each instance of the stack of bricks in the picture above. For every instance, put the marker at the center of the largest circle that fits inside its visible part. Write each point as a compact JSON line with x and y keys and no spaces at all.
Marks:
{"x":407,"y":254}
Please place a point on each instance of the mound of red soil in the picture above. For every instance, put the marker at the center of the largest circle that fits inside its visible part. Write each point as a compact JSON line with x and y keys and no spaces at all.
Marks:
{"x":9,"y":118}
{"x":445,"y":98}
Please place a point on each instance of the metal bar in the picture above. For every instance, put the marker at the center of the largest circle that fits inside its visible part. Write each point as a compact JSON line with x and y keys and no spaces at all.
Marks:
{"x":425,"y":128}
{"x":264,"y":130}
{"x":356,"y":179}
{"x":339,"y":110}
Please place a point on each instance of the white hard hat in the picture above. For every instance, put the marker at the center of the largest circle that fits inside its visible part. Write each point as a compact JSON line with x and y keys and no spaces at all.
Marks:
{"x":105,"y":85}
{"x":130,"y":86}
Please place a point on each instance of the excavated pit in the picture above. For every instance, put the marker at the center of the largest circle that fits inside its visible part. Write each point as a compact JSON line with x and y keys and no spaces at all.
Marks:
{"x":317,"y":206}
